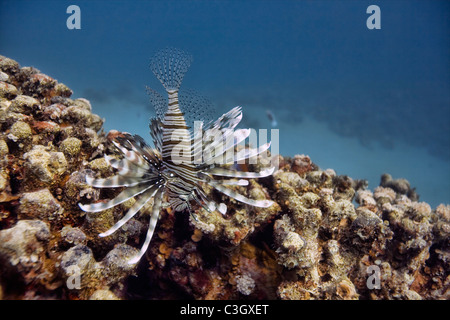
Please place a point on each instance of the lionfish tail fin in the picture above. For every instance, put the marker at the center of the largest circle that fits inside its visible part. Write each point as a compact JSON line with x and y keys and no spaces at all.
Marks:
{"x":169,"y":66}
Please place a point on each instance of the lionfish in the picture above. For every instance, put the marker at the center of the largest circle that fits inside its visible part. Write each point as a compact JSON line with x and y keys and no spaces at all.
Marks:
{"x":170,"y":170}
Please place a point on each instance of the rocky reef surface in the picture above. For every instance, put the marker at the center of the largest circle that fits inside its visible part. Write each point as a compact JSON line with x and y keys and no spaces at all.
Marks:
{"x":327,"y":236}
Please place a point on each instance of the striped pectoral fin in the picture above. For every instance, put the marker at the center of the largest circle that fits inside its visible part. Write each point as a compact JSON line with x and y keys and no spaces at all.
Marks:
{"x":239,"y":197}
{"x":145,"y":197}
{"x":240,"y":182}
{"x":208,"y":205}
{"x":132,"y":156}
{"x":238,"y":136}
{"x":239,"y":174}
{"x":141,"y":147}
{"x":229,"y":120}
{"x":151,"y":227}
{"x":125,"y":167}
{"x":250,"y":153}
{"x":122,"y":197}
{"x":113,"y":162}
{"x":202,"y":199}
{"x":225,"y":182}
{"x":116,"y":181}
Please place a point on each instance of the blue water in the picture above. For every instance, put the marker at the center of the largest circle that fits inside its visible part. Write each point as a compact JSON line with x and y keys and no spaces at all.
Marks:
{"x":360,"y":101}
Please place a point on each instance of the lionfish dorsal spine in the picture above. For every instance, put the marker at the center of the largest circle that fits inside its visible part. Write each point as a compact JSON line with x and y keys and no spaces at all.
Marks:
{"x":170,"y":66}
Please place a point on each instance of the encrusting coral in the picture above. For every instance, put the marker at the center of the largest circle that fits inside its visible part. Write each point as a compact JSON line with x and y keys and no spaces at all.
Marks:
{"x":326,"y":236}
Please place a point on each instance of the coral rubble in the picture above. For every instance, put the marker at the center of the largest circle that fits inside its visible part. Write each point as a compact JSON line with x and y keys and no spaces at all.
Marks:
{"x":326,"y":237}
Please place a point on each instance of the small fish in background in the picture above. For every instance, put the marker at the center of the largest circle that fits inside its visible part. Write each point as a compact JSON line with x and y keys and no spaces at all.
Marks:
{"x":272,"y":119}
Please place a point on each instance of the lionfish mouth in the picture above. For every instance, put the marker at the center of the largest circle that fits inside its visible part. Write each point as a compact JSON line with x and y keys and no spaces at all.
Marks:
{"x":183,"y":161}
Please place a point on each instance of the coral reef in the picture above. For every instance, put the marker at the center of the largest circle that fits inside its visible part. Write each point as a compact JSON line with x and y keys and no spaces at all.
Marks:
{"x":326,"y":237}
